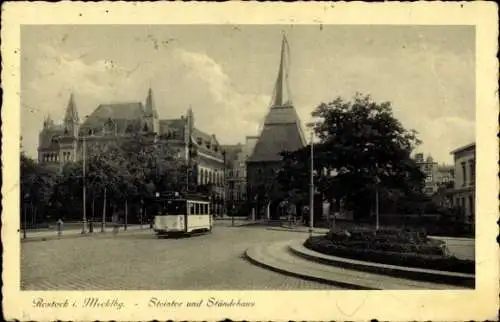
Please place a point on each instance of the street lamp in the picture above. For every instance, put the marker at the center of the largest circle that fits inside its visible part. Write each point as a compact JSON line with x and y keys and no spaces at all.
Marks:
{"x":377,"y":181}
{"x":84,"y":231}
{"x":311,"y":184}
{"x":26,"y":196}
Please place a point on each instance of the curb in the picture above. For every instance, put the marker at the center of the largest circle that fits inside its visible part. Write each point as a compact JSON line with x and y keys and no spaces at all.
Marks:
{"x":417,"y":274}
{"x":68,"y":236}
{"x":304,"y":276}
{"x":315,"y":231}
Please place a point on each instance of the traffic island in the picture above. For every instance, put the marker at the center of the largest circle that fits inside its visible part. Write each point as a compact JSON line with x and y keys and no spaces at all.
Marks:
{"x":280,"y":258}
{"x":419,"y":274}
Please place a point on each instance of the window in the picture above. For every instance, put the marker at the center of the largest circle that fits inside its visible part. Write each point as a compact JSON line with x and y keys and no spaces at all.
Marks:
{"x":174,"y":207}
{"x":191,"y":208}
{"x":472,"y":206}
{"x":198,"y":141}
{"x":197,"y":208}
{"x":464,"y":174}
{"x":472,"y":171}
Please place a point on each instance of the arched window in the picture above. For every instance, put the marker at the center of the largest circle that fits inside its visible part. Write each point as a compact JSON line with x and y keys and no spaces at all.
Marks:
{"x":201,"y":176}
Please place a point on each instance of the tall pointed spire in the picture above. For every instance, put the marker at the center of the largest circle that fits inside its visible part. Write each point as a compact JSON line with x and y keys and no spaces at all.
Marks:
{"x":48,"y":122}
{"x":282,"y":96}
{"x":150,"y":110}
{"x":281,"y":130}
{"x":71,"y":116}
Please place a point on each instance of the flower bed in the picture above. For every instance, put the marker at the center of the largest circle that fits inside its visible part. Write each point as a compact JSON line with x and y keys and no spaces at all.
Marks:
{"x":394,"y":247}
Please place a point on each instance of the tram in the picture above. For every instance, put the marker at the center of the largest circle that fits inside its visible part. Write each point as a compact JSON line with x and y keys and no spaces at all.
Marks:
{"x":182,"y":214}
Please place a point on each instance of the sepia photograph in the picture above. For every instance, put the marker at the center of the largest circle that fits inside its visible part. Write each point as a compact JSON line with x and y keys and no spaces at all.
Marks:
{"x":243,"y":157}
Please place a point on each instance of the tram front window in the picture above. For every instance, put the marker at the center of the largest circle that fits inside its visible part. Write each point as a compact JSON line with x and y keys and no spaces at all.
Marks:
{"x":173,"y":208}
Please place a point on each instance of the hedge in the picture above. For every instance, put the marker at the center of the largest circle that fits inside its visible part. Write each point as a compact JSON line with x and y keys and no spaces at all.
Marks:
{"x":403,"y":258}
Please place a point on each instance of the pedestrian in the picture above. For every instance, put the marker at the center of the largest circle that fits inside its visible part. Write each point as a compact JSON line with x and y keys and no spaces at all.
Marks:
{"x":115,"y":225}
{"x":60,"y":224}
{"x":305,"y":216}
{"x":293,"y":212}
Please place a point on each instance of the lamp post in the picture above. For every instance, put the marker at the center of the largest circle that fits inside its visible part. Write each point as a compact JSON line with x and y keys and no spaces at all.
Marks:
{"x":84,"y":231}
{"x":311,"y":188}
{"x":377,"y":181}
{"x":26,"y":196}
{"x":103,"y":225}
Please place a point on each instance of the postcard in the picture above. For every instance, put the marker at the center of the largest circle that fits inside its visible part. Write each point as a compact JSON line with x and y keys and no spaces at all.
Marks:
{"x":250,"y":161}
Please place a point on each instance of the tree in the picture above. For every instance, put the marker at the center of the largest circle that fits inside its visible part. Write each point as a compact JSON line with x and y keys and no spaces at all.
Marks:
{"x":37,"y":183}
{"x":362,"y":147}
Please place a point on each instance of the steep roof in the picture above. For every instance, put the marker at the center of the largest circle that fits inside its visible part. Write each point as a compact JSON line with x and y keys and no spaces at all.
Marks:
{"x":282,"y":130}
{"x":206,"y":143}
{"x":120,"y":116}
{"x":276,"y":138}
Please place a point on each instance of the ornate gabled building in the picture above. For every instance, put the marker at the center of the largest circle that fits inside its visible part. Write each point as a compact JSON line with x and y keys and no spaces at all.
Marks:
{"x":62,"y":143}
{"x":281,"y":132}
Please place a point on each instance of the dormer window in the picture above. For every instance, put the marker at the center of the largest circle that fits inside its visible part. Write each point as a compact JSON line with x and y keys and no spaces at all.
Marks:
{"x":215,"y":148}
{"x":198,"y":141}
{"x":208,"y":144}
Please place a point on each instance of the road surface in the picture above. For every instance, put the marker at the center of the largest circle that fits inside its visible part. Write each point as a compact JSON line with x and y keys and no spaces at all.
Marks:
{"x":137,"y":260}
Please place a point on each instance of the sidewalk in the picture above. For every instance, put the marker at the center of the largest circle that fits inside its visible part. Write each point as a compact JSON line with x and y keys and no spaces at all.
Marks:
{"x":75,"y":233}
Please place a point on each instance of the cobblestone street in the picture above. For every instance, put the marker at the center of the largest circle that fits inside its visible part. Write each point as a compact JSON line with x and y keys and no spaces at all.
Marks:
{"x":140,"y":261}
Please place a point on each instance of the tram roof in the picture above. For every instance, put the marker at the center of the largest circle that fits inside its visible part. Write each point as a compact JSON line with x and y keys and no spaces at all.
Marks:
{"x":182,"y":196}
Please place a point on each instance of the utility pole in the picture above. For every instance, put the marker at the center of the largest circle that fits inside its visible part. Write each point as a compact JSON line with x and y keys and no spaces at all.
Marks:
{"x":84,"y":189}
{"x":377,"y":181}
{"x":376,"y":209}
{"x":311,"y":197}
{"x":24,"y":226}
{"x":141,"y":210}
{"x":126,"y":214}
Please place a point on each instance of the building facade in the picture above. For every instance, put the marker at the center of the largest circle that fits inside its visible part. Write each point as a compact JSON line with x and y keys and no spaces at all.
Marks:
{"x":201,"y":152}
{"x":281,"y":132}
{"x":436,"y":175}
{"x":464,"y":192}
{"x":236,"y":179}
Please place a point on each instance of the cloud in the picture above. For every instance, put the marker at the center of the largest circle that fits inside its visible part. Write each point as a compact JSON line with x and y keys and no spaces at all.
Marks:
{"x":233,"y":114}
{"x":179,"y":79}
{"x":437,"y":139}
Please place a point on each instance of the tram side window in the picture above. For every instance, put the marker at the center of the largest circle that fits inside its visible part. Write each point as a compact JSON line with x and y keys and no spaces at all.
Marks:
{"x":197,"y":208}
{"x":205,"y":209}
{"x":191,"y":208}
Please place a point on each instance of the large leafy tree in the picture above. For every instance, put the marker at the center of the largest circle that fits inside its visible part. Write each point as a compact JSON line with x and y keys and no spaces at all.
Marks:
{"x":362,"y":147}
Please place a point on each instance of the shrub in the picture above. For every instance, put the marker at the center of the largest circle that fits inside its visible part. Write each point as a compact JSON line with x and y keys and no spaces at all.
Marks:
{"x":410,"y":259}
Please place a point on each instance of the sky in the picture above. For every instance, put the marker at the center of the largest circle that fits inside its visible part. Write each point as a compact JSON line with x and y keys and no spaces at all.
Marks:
{"x":226,"y":74}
